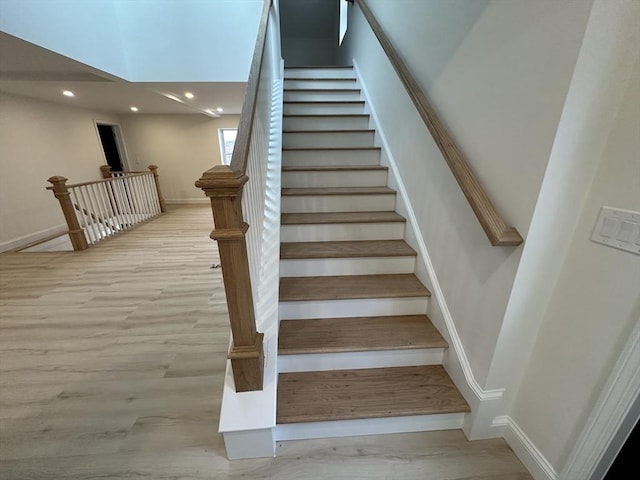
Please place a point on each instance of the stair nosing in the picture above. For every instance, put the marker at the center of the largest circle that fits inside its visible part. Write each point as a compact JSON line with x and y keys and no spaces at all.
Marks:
{"x":325,"y":295}
{"x":320,"y":221}
{"x":332,"y":90}
{"x":434,"y":339}
{"x":319,"y":67}
{"x":323,"y":102}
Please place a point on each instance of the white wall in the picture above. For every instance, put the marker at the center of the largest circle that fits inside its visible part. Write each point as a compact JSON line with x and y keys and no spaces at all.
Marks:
{"x":497,"y":72}
{"x":595,"y":302}
{"x":183,"y":146}
{"x":39,"y":140}
{"x":303,"y":52}
{"x":145,"y":40}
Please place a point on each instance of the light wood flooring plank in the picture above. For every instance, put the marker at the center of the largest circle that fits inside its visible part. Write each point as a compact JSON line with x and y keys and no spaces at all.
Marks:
{"x":138,"y":392}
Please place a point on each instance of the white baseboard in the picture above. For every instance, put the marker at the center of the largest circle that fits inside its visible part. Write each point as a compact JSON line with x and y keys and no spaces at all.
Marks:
{"x":538,"y":466}
{"x":187,"y":201}
{"x":25,"y":240}
{"x":485,"y":404}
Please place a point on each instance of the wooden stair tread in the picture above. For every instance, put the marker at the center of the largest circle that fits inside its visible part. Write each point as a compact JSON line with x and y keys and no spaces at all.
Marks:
{"x":337,"y":191}
{"x":366,"y":393}
{"x":336,"y":168}
{"x":339,"y":217}
{"x":358,"y":334}
{"x":346,"y":249}
{"x":351,"y":287}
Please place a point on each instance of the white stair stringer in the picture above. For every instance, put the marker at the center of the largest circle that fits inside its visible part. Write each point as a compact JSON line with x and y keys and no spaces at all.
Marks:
{"x":317,"y":267}
{"x":359,"y":307}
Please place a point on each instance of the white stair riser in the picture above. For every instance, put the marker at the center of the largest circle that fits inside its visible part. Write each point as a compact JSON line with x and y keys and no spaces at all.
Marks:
{"x":319,"y":73}
{"x":348,"y":83}
{"x":322,"y":96}
{"x":325,"y":108}
{"x":358,"y":360}
{"x":367,"y":307}
{"x":326,"y":123}
{"x":327,"y":158}
{"x":334,"y":178}
{"x":337,"y":203}
{"x":342,"y":232}
{"x":373,"y":426}
{"x":328,"y":139}
{"x":316,"y":267}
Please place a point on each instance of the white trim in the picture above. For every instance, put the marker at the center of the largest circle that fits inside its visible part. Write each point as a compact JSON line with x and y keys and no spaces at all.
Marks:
{"x":539,"y":467}
{"x":122,"y":148}
{"x":29,"y":238}
{"x":318,"y":362}
{"x":187,"y":201}
{"x":368,"y":426}
{"x":473,"y":387}
{"x":612,"y":412}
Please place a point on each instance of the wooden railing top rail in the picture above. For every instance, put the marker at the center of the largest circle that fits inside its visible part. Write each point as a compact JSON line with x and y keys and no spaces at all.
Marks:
{"x":499,"y":233}
{"x":245,"y":127}
{"x":104,"y":180}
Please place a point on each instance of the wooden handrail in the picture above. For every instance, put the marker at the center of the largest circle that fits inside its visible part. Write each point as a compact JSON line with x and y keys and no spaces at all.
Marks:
{"x":224,"y":186}
{"x":245,"y":126}
{"x":499,"y":233}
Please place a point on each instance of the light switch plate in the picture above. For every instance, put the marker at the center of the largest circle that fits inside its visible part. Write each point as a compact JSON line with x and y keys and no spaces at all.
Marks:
{"x":618,"y":228}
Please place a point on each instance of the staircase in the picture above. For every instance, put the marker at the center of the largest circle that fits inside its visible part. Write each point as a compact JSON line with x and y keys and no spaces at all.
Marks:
{"x":357,"y":354}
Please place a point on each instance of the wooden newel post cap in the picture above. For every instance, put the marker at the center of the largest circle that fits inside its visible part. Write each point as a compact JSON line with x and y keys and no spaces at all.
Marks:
{"x":153,"y":168}
{"x":222,"y":181}
{"x":59,"y":183}
{"x":106,"y":171}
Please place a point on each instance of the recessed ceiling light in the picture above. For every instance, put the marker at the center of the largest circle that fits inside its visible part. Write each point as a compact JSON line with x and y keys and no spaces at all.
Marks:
{"x":219,"y":109}
{"x":189,"y":95}
{"x":68,"y":93}
{"x":134,"y":109}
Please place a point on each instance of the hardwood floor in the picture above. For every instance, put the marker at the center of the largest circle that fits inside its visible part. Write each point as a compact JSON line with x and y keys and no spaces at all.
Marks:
{"x":112,"y":362}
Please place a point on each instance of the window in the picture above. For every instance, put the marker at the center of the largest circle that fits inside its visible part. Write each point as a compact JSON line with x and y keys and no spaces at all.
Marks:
{"x":227,"y":138}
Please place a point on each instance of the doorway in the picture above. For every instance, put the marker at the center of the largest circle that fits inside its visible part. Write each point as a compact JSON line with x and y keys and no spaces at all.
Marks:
{"x":111,"y":141}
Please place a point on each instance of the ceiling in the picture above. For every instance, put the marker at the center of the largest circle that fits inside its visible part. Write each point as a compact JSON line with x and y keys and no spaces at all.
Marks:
{"x":32,"y":71}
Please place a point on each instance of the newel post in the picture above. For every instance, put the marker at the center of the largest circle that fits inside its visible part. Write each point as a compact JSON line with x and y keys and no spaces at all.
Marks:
{"x":156,"y":178}
{"x":76,"y":233}
{"x":106,"y":171}
{"x":224,"y":187}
